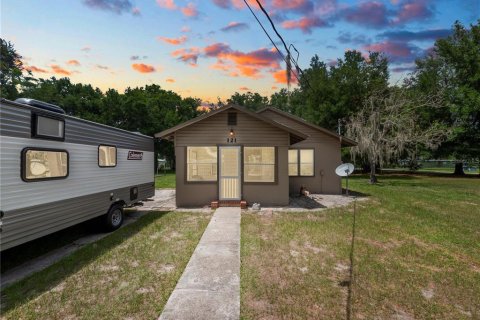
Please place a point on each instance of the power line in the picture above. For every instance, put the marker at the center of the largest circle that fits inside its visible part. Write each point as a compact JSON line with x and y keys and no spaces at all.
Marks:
{"x":273,"y":43}
{"x":298,"y":69}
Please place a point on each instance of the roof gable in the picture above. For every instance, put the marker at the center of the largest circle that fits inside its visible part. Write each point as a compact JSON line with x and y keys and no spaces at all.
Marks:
{"x":344,"y":141}
{"x":295,"y":135}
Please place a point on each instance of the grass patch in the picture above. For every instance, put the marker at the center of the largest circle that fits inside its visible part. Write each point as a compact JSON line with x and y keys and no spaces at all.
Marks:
{"x":417,"y":255}
{"x":165,"y":181}
{"x":16,"y":256}
{"x":128,"y":274}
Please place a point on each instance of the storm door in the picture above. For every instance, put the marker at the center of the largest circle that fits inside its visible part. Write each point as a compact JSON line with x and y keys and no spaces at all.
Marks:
{"x":230,"y":180}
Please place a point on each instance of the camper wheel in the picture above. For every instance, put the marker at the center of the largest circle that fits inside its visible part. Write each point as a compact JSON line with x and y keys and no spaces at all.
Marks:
{"x":114,"y":217}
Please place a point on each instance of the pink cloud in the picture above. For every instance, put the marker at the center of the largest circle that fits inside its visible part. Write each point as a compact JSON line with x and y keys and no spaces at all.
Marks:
{"x":215,"y":49}
{"x":190,"y":10}
{"x":143,"y":68}
{"x":136,"y":11}
{"x":36,"y":69}
{"x":173,"y":41}
{"x":189,"y":56}
{"x":295,"y":5}
{"x":239,"y":4}
{"x":225,"y":4}
{"x":167,"y":4}
{"x":185,"y":29}
{"x":73,"y":62}
{"x":170,"y":80}
{"x":244,"y":89}
{"x":306,"y":24}
{"x":396,"y":51}
{"x":220,"y":65}
{"x":232,"y":62}
{"x":412,"y":11}
{"x":280,"y":76}
{"x":235,"y":26}
{"x":261,"y":57}
{"x":59,"y":70}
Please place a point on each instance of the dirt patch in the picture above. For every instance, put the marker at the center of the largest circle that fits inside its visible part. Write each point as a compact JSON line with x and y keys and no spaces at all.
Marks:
{"x":390,"y":244}
{"x":59,"y":287}
{"x":303,"y":269}
{"x":108,"y":268}
{"x":315,"y":250}
{"x":165,"y":268}
{"x":144,"y":290}
{"x":172,"y":235}
{"x":401,"y":314}
{"x":340,"y":267}
{"x":294,"y":253}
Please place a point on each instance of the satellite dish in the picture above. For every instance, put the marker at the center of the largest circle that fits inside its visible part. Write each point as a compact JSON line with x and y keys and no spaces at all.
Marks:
{"x":344,"y":170}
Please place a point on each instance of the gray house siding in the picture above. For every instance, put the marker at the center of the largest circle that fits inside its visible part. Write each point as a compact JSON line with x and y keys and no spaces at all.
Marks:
{"x":249,"y":131}
{"x":327,"y":157}
{"x":271,"y":194}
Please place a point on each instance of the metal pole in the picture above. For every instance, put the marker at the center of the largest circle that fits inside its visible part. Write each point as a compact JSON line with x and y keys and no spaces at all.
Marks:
{"x":347,"y":186}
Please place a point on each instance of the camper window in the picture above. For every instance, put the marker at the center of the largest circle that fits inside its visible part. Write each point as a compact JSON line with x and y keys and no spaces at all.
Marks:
{"x":107,"y":156}
{"x":44,"y":164}
{"x":259,"y":164}
{"x":47,"y":127}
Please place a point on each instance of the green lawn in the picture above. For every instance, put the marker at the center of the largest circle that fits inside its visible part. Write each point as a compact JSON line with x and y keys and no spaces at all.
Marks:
{"x":165,"y":181}
{"x":432,"y":170}
{"x":127,"y":275}
{"x":417,"y":255}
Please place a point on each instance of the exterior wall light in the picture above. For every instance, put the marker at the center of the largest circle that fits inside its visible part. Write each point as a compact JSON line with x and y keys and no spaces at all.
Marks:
{"x":231,"y":137}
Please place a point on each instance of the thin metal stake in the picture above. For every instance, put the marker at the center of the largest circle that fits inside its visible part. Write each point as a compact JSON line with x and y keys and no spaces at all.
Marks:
{"x":347,"y":185}
{"x":350,"y":284}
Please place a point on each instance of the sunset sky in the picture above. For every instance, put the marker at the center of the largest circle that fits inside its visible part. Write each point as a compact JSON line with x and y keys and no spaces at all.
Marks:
{"x":212,"y":48}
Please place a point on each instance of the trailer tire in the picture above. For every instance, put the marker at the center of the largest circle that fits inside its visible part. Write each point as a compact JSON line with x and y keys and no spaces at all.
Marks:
{"x":114,"y":218}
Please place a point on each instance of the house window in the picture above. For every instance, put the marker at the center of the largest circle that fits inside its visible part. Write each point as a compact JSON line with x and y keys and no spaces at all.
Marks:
{"x":48,"y":127}
{"x":301,"y":162}
{"x":201,"y":163}
{"x":107,"y":156}
{"x":259,"y":164}
{"x":44,"y":164}
{"x":293,"y":162}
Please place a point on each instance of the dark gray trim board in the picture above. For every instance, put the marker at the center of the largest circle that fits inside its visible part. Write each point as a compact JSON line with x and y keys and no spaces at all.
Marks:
{"x":23,"y":225}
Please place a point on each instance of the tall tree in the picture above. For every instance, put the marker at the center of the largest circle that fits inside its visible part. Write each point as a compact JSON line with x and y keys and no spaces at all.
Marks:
{"x":387,"y":127}
{"x":249,"y":100}
{"x":453,"y":66}
{"x":12,"y":71}
{"x":336,"y":92}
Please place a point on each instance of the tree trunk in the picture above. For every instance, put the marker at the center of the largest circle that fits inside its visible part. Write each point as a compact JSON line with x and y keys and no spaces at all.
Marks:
{"x":459,"y":169}
{"x":373,"y":177}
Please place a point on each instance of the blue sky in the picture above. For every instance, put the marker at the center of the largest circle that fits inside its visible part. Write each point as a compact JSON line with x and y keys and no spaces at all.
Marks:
{"x":212,"y":48}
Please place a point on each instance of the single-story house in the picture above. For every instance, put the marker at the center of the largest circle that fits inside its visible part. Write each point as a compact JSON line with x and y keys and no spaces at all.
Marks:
{"x":232,"y":154}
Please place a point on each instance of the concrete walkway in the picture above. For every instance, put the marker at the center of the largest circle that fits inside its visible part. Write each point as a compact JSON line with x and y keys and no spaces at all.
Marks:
{"x":210,"y":285}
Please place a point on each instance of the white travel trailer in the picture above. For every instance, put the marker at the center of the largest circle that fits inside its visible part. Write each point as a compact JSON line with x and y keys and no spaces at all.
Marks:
{"x":58,"y":170}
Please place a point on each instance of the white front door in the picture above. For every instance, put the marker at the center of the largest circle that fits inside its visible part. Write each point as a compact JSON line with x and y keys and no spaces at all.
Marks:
{"x":230,"y":182}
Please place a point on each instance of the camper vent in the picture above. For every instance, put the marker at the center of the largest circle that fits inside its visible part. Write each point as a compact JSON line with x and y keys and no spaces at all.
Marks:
{"x":41,"y":105}
{"x":232,"y":118}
